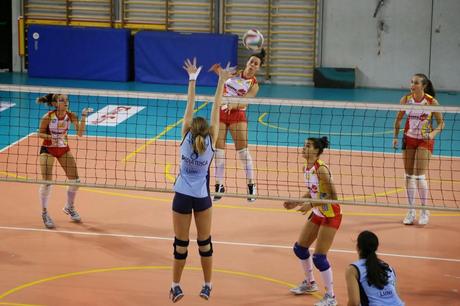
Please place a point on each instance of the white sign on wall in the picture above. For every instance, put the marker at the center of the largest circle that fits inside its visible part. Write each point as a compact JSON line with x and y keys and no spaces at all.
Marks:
{"x":112,"y":115}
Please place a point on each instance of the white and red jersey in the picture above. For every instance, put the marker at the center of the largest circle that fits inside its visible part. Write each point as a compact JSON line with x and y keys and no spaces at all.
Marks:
{"x":238,"y":86}
{"x":418,"y":122}
{"x":57,"y":128}
{"x":317,"y":191}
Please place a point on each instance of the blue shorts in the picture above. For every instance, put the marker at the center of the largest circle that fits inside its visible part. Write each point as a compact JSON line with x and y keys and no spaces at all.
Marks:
{"x":185,"y":204}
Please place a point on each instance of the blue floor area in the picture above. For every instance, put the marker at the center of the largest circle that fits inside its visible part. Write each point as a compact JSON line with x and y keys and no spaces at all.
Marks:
{"x":268,"y":125}
{"x":266,"y":90}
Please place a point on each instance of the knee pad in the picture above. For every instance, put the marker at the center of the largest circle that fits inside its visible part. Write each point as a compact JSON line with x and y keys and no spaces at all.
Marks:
{"x":73,"y":188}
{"x":301,"y":252}
{"x":205,"y":247}
{"x":180,"y":245}
{"x":320,"y":262}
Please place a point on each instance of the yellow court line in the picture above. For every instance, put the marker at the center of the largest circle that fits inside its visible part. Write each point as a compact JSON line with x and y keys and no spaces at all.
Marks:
{"x":168,"y":174}
{"x":249,"y":208}
{"x":19,"y":304}
{"x":72,"y":274}
{"x":260,"y":209}
{"x":161,"y":134}
{"x":261,"y":121}
{"x":13,"y":175}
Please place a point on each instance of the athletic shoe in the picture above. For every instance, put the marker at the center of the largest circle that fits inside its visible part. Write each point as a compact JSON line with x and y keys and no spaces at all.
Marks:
{"x":327,"y":301}
{"x":252,"y":191}
{"x":175,"y":294}
{"x":47,"y":220}
{"x":74,"y":216}
{"x":205,"y":292}
{"x":424,"y":217}
{"x":305,"y":288}
{"x":410,"y":217}
{"x":219,"y":188}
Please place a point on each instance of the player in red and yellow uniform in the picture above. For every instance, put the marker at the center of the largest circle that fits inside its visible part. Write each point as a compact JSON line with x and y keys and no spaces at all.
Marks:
{"x":418,"y":142}
{"x":322,"y":224}
{"x":233,"y":119}
{"x":54,"y":127}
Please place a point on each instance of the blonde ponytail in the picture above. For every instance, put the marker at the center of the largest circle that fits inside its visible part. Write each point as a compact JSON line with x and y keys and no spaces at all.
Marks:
{"x":199,"y":129}
{"x":199,"y":145}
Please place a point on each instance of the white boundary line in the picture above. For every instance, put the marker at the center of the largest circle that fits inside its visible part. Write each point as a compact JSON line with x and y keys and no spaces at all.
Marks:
{"x":16,"y":142}
{"x":240,"y":244}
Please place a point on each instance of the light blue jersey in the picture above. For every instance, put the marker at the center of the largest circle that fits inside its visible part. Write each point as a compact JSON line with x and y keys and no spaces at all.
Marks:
{"x":193,"y":178}
{"x":371,"y":295}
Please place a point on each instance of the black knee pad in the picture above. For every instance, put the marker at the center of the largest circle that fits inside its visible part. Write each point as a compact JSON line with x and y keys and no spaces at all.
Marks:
{"x":202,"y":243}
{"x":181,"y":243}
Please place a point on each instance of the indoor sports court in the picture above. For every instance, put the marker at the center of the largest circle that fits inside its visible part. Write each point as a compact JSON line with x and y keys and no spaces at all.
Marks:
{"x":121,"y":252}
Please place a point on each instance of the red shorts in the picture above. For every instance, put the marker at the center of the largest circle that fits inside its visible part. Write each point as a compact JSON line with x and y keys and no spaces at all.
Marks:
{"x":234,"y":116}
{"x":333,"y":222}
{"x":54,"y":151}
{"x":414,"y":143}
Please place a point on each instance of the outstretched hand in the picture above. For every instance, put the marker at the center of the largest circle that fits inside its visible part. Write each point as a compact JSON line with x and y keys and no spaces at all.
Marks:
{"x":228,"y":72}
{"x":225,"y":73}
{"x":191,"y":68}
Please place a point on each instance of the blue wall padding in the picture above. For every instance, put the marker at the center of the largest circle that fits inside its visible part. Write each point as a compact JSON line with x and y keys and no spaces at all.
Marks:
{"x":159,"y":56}
{"x":79,"y":53}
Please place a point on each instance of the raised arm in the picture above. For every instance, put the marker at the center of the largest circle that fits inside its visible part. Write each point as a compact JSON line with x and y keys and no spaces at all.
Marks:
{"x":193,"y":73}
{"x":224,"y":75}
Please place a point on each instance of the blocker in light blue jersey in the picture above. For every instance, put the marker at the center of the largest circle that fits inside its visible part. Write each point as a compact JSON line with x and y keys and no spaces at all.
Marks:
{"x":371,"y":295}
{"x":193,"y":178}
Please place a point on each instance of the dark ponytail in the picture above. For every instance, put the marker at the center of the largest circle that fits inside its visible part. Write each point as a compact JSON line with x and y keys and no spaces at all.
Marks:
{"x":320,"y":143}
{"x":377,"y":270}
{"x":260,"y":55}
{"x":48,"y":99}
{"x":428,"y":85}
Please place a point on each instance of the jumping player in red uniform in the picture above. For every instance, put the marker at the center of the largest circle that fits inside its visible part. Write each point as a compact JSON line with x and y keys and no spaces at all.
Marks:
{"x":233,"y":119}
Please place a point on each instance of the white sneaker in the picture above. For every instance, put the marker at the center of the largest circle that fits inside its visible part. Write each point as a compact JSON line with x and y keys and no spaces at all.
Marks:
{"x":410,"y":217}
{"x":424,"y":217}
{"x":74,"y":216}
{"x":47,"y":220}
{"x":327,"y":301}
{"x":305,"y":288}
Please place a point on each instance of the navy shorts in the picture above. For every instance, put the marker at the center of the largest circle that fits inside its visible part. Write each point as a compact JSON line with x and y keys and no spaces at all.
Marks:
{"x":185,"y":204}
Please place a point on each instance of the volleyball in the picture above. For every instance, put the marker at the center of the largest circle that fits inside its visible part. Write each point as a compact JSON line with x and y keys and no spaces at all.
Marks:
{"x":253,"y":40}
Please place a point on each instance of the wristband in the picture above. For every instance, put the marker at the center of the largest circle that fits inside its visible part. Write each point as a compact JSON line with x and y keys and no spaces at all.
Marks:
{"x":193,"y":76}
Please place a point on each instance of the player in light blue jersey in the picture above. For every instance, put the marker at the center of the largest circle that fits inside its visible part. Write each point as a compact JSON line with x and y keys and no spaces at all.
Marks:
{"x":192,"y":183}
{"x":371,"y":281}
